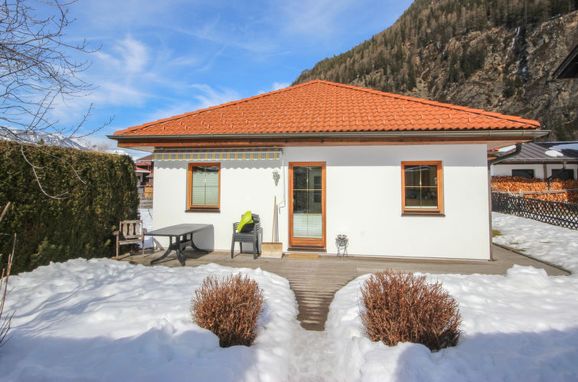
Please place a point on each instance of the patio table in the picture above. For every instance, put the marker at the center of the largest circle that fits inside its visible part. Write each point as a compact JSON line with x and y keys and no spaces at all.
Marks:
{"x":182,"y":235}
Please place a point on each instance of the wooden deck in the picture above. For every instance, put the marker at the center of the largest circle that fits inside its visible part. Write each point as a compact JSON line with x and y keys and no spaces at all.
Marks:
{"x":315,"y":281}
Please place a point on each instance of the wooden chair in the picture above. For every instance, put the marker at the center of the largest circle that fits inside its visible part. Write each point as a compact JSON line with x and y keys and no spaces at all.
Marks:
{"x":130,"y":232}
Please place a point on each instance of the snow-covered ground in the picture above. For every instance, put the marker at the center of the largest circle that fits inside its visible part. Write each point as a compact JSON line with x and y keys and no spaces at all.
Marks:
{"x":518,"y":327}
{"x":543,"y":241}
{"x":101,"y":320}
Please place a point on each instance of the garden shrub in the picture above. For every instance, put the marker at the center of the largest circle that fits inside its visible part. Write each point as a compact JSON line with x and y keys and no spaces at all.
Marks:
{"x":401,"y":307}
{"x":99,"y":190}
{"x":229,"y":308}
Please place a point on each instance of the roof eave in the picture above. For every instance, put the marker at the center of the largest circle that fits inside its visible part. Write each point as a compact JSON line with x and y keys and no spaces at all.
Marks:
{"x":540,"y":161}
{"x":526,"y":134}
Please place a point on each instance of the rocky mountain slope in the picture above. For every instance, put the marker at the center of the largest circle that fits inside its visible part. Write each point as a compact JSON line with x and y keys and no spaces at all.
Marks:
{"x":496,"y":55}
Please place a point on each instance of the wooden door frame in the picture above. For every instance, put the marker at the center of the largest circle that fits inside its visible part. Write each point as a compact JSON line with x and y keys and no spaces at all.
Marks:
{"x":304,"y":242}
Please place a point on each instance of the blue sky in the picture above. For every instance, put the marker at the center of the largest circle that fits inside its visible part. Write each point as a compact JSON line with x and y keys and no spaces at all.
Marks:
{"x":161,"y":58}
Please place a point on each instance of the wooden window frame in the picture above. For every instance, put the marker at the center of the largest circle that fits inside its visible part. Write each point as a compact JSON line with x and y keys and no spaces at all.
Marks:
{"x":297,"y":242}
{"x":439,"y":210}
{"x":200,"y":208}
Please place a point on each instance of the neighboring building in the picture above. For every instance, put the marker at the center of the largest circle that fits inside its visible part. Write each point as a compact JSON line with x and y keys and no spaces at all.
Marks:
{"x":541,"y":160}
{"x":400,"y":176}
{"x":144,"y":168}
{"x":569,"y":67}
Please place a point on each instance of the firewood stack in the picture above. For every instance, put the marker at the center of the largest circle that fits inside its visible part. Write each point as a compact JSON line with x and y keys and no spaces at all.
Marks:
{"x":555,"y":190}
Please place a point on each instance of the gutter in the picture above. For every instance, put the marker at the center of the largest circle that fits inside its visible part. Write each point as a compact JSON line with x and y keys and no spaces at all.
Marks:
{"x":526,"y":134}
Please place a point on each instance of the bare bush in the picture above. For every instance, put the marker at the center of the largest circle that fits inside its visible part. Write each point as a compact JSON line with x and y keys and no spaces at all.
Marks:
{"x":229,"y":308}
{"x":401,"y":307}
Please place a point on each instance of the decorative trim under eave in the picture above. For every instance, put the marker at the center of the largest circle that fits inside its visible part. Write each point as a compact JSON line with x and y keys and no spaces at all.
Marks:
{"x":217,"y":155}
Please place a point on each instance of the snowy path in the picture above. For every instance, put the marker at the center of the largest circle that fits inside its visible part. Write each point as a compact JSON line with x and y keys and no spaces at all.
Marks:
{"x":540,"y":240}
{"x":312,"y":358}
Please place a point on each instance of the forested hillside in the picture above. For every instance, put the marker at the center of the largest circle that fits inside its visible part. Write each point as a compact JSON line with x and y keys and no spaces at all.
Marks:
{"x":492,"y":54}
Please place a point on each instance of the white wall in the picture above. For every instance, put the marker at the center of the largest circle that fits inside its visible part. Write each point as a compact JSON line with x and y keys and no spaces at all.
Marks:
{"x":363,"y":199}
{"x":506,"y":169}
{"x":245,"y":185}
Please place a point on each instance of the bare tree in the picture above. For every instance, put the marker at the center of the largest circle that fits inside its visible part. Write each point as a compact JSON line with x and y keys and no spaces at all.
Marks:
{"x":39,"y":69}
{"x":37,"y":65}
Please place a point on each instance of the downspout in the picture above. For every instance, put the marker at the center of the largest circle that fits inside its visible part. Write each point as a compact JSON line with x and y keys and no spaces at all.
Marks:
{"x":490,"y":163}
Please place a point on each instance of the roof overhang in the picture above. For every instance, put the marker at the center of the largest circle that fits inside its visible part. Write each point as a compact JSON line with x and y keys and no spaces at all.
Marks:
{"x":539,"y":161}
{"x":497,"y":138}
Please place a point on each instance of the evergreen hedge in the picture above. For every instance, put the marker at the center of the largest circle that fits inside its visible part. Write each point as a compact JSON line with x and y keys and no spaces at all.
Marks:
{"x":99,"y":191}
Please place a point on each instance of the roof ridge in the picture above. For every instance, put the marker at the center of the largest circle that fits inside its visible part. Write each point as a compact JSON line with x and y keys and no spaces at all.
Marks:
{"x":434,"y":103}
{"x":215,"y":107}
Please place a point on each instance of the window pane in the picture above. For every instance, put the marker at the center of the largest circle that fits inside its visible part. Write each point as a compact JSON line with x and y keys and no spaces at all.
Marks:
{"x":205,"y":187}
{"x":299,"y":178}
{"x":412,"y":197}
{"x":198,"y":196}
{"x":212,"y":176}
{"x":307,"y":202}
{"x":421,"y":186}
{"x":212,"y":196}
{"x":412,"y":175}
{"x":428,"y":175}
{"x":198,"y":176}
{"x":429,"y":197}
{"x":524,"y":173}
{"x":300,"y":201}
{"x":563,"y":174}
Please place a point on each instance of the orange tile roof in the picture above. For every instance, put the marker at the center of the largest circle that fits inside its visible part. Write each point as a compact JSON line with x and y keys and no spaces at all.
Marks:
{"x":326,"y":107}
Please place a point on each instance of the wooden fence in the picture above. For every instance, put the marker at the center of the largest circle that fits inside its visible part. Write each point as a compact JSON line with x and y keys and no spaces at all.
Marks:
{"x":556,"y":213}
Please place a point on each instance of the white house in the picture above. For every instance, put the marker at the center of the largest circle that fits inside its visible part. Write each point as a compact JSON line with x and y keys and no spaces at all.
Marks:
{"x":541,"y":160}
{"x":400,"y":176}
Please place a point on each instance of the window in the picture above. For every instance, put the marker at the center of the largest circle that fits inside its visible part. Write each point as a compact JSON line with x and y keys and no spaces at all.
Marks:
{"x":527,"y":173}
{"x":204,"y":186}
{"x":563,"y":174}
{"x":422,"y":187}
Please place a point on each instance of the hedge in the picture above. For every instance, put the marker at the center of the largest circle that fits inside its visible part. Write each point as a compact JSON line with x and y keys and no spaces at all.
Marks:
{"x":99,"y":191}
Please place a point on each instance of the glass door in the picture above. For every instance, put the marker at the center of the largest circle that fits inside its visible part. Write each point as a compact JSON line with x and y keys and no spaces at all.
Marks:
{"x":307,"y":204}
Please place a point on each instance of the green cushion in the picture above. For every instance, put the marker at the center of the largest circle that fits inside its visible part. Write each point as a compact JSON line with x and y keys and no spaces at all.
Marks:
{"x":247,"y":218}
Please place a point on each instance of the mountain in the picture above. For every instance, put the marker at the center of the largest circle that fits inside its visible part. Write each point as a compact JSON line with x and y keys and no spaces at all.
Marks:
{"x":38,"y":137}
{"x":493,"y":54}
{"x":56,"y":139}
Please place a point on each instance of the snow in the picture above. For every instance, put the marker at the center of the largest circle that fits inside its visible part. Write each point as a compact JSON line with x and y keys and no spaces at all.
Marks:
{"x":312,"y":359}
{"x":540,"y":240}
{"x":101,"y":320}
{"x":507,"y":148}
{"x":553,"y":153}
{"x":146,"y":215}
{"x":521,"y":326}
